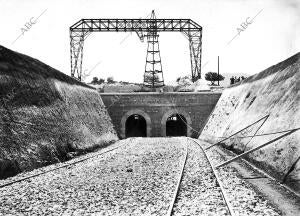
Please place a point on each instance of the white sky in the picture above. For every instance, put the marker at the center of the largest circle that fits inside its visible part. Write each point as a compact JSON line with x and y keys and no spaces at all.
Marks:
{"x":273,"y":36}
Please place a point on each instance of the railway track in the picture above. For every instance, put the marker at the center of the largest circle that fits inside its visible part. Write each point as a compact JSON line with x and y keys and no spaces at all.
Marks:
{"x":153,"y":177}
{"x":178,"y":188}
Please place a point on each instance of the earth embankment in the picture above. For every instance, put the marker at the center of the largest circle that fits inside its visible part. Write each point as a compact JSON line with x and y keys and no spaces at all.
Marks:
{"x":45,"y":114}
{"x":273,"y":94}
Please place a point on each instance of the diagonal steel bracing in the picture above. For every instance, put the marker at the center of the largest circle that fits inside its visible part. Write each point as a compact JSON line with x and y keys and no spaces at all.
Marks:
{"x":80,"y":30}
{"x":153,"y":76}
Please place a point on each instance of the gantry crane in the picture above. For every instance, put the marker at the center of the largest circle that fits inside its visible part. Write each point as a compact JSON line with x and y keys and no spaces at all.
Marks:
{"x":148,"y":28}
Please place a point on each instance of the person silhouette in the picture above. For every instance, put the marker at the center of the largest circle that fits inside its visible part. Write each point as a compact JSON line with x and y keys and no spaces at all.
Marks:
{"x":232,"y":80}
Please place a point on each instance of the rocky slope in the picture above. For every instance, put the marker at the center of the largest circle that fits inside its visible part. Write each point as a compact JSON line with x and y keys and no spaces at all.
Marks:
{"x":273,"y":92}
{"x":44,"y":114}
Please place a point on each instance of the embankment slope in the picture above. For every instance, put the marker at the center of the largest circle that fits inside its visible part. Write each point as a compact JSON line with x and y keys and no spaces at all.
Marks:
{"x":44,"y":114}
{"x":274,"y":92}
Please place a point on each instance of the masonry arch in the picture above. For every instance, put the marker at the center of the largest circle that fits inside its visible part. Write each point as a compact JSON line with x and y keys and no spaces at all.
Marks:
{"x":176,"y":125}
{"x":135,"y":126}
{"x":177,"y":113}
{"x":133,"y":113}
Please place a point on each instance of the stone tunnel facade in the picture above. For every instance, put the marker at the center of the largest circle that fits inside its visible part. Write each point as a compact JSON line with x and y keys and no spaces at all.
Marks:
{"x":156,"y":108}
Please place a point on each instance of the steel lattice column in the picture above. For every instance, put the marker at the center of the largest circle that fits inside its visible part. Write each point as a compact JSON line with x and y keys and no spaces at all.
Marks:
{"x":153,"y":76}
{"x":76,"y":44}
{"x":195,"y":44}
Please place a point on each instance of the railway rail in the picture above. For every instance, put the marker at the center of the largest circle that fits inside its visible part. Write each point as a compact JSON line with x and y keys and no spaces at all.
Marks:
{"x":180,"y":177}
{"x":201,"y":192}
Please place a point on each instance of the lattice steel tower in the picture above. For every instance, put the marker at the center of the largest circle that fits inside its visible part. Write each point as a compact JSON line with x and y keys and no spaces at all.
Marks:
{"x":153,"y":76}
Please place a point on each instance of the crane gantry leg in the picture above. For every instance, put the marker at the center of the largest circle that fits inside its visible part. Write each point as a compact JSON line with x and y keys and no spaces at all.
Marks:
{"x":153,"y":76}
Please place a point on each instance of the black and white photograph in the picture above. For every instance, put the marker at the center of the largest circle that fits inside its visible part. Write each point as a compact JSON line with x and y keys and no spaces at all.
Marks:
{"x":150,"y":107}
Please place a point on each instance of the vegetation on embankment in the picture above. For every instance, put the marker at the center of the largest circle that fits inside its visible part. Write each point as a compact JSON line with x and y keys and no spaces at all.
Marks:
{"x":274,"y":92}
{"x":45,"y":114}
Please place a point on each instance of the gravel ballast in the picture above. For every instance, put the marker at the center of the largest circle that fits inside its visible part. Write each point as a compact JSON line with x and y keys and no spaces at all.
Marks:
{"x":138,"y":178}
{"x":199,"y":192}
{"x":243,"y":199}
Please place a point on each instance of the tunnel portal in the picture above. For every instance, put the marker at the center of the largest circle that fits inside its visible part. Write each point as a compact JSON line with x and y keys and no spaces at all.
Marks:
{"x":136,"y":126}
{"x":156,"y":108}
{"x":176,"y":125}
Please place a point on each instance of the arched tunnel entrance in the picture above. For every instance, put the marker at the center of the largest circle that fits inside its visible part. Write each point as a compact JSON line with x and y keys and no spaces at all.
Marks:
{"x":176,"y":125}
{"x":135,"y":126}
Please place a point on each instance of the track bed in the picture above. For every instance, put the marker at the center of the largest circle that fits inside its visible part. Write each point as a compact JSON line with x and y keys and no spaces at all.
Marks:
{"x":138,"y":176}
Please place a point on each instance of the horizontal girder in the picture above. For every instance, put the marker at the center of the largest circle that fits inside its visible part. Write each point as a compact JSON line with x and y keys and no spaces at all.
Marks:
{"x":144,"y":28}
{"x":119,"y":25}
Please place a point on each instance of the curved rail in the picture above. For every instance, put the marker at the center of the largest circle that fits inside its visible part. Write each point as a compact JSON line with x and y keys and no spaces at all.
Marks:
{"x":227,"y":203}
{"x":59,"y":167}
{"x":170,"y":210}
{"x":229,"y":207}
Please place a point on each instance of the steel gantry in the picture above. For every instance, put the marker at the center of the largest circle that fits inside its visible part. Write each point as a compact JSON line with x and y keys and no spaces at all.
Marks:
{"x":143,"y":27}
{"x":153,"y":76}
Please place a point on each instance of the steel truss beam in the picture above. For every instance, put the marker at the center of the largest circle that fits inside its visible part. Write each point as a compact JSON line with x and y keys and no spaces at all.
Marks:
{"x":80,"y":30}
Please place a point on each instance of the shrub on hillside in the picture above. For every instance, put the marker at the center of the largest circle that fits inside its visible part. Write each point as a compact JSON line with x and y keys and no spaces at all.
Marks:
{"x":110,"y":80}
{"x":96,"y":81}
{"x":101,"y":81}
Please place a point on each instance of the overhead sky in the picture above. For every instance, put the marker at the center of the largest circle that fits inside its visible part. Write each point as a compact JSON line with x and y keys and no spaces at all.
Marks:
{"x":272,"y":36}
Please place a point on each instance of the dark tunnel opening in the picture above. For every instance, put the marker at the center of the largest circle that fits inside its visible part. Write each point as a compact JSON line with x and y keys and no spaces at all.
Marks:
{"x":176,"y":125}
{"x":136,"y":126}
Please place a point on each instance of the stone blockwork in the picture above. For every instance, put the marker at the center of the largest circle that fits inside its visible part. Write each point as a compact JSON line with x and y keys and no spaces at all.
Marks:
{"x":157,"y":107}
